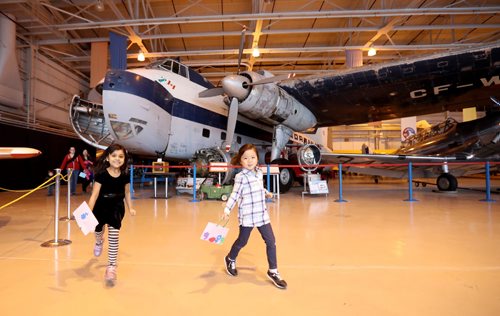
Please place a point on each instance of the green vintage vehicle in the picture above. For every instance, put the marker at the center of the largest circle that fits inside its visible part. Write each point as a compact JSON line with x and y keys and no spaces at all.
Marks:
{"x":215,"y":192}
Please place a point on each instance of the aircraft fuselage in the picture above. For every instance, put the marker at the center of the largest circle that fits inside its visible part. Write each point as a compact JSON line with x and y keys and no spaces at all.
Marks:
{"x":151,"y":110}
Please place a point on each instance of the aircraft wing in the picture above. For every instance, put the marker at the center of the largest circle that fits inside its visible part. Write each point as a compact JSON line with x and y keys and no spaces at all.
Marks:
{"x":436,"y":83}
{"x":395,"y":166}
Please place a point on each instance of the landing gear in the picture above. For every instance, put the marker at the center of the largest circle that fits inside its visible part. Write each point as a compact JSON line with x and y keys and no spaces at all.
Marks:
{"x":447,"y":182}
{"x":286,"y":175}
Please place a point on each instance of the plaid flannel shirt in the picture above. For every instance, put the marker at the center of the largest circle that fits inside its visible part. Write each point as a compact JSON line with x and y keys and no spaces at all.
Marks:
{"x":249,"y":192}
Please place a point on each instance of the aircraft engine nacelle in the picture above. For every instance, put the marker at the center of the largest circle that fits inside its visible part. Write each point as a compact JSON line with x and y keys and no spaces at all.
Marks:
{"x":270,"y":104}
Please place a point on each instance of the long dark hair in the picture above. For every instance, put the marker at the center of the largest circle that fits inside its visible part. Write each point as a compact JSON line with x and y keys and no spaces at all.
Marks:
{"x":102,"y":164}
{"x":236,"y":160}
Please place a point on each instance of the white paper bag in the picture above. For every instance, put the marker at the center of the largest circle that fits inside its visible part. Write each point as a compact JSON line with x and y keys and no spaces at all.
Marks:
{"x":85,"y":218}
{"x":214,"y":233}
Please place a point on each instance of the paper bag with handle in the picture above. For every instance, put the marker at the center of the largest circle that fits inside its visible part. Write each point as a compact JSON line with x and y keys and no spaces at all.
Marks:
{"x":215,"y":232}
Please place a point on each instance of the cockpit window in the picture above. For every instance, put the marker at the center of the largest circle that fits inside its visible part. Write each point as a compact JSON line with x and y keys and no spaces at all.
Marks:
{"x":167,"y":65}
{"x":183,"y":71}
{"x":175,"y":67}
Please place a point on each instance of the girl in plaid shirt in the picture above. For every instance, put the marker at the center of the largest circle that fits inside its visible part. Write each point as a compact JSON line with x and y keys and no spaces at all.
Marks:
{"x":249,"y":193}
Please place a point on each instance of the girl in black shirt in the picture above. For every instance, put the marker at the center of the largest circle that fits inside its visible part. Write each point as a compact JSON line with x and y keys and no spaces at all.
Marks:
{"x":111,"y":189}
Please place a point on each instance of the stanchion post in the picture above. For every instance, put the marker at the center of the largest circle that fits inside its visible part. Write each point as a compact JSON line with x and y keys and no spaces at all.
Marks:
{"x":56,"y":242}
{"x":194,"y":184}
{"x":131,"y":187}
{"x":268,"y":177}
{"x":340,"y":199}
{"x":410,"y":183}
{"x":69,"y":216}
{"x":488,"y":187}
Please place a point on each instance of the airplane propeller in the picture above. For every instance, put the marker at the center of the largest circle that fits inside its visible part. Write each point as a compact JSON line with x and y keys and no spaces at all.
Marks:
{"x":242,"y":44}
{"x":211,"y":92}
{"x":231,"y":123}
{"x":237,"y":87}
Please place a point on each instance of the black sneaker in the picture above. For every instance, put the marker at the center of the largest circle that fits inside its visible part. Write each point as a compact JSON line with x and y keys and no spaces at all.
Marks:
{"x":277,"y":280}
{"x":230,"y":266}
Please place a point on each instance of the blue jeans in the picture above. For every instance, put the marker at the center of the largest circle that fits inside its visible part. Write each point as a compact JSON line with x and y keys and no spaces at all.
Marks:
{"x":267,"y":234}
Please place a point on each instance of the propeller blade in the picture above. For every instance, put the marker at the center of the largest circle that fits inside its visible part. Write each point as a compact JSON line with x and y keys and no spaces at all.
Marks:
{"x":242,"y":43}
{"x":231,"y":122}
{"x":211,"y":92}
{"x":271,"y":79}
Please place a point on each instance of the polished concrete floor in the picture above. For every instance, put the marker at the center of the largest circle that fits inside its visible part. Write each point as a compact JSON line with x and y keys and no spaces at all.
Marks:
{"x":375,"y":254}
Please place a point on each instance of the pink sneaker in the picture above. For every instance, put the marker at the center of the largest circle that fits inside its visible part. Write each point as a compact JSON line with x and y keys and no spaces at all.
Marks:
{"x":98,"y":249}
{"x":110,"y":275}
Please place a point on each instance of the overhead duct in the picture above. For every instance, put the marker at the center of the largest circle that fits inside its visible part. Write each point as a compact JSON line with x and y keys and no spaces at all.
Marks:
{"x":11,"y":88}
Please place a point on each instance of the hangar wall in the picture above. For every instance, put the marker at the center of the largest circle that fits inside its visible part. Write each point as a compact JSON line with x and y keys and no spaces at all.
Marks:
{"x":40,"y":118}
{"x":47,"y":87}
{"x":11,"y":93}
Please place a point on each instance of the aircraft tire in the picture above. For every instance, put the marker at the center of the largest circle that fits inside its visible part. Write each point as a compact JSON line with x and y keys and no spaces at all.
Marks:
{"x":447,"y":182}
{"x":286,"y":175}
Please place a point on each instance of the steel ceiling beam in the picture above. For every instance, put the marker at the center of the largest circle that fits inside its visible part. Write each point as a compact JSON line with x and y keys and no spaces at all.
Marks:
{"x":278,"y":16}
{"x":284,"y":50}
{"x":273,"y":32}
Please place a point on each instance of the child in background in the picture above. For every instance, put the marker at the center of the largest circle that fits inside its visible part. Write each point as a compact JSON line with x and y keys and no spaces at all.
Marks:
{"x":250,"y":194}
{"x":87,"y":164}
{"x":111,"y":188}
{"x":50,"y":188}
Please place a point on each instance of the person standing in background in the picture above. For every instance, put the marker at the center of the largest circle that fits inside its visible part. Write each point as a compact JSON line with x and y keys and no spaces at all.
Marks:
{"x":87,"y":165}
{"x":73,"y":161}
{"x":365,"y":149}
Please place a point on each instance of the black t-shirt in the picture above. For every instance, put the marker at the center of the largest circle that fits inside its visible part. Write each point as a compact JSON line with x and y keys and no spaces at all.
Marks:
{"x":111,"y":185}
{"x":109,"y":207}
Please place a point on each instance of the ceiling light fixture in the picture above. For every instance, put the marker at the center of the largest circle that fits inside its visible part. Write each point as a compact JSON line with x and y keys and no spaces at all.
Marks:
{"x":255,"y":52}
{"x":99,"y":6}
{"x":372,"y":52}
{"x":141,"y":56}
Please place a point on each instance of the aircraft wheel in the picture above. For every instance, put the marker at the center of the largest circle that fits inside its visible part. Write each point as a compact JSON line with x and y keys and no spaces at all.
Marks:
{"x":286,"y":175}
{"x":447,"y":182}
{"x":417,"y":184}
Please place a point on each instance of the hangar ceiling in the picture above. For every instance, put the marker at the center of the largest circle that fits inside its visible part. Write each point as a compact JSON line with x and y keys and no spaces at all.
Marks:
{"x":300,"y":36}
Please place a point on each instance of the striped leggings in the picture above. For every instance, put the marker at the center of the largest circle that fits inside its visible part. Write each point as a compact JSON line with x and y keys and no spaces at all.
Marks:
{"x":113,"y":238}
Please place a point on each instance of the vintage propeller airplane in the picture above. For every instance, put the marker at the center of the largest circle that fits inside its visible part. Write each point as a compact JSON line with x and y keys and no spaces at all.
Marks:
{"x":448,"y":143}
{"x":170,"y":110}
